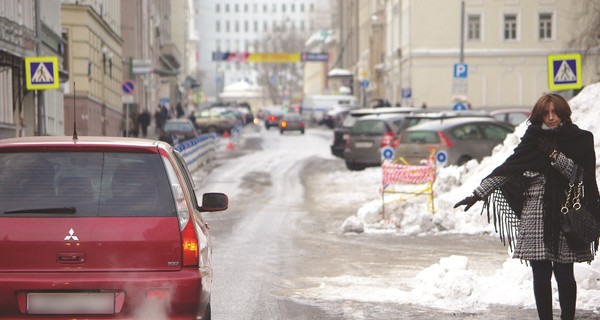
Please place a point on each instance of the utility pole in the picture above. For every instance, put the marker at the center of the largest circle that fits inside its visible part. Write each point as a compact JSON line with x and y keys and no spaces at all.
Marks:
{"x":41,"y":110}
{"x":462,"y":32}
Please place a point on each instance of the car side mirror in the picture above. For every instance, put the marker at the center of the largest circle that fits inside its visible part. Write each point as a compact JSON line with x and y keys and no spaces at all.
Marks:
{"x":214,"y":201}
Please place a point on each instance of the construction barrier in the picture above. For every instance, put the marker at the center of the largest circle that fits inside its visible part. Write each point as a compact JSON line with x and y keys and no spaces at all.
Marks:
{"x":198,"y":151}
{"x":411,"y":180}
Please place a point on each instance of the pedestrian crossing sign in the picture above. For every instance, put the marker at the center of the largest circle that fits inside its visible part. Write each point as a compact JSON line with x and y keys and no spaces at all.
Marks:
{"x":41,"y":73}
{"x":564,"y":71}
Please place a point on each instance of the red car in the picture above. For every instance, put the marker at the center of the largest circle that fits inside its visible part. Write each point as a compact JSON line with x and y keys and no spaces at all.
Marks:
{"x":102,"y":228}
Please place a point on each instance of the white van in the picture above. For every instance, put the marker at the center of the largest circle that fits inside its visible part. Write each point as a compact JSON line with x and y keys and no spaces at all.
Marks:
{"x":315,"y":107}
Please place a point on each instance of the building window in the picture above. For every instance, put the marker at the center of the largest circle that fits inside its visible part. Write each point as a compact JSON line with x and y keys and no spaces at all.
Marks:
{"x":274,"y":7}
{"x":237,"y":26}
{"x":265,"y":27}
{"x":293,"y":7}
{"x":302,"y":7}
{"x":226,"y":7}
{"x":227,"y":26}
{"x":510,"y":26}
{"x":545,"y":31}
{"x":218,"y":8}
{"x":283,"y":7}
{"x":237,"y":8}
{"x":245,"y":7}
{"x":474,"y":27}
{"x":245,"y":26}
{"x":265,"y":7}
{"x":302,"y":25}
{"x":218,"y":26}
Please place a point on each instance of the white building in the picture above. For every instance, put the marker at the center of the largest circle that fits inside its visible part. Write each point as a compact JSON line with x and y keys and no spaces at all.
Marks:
{"x":245,"y":26}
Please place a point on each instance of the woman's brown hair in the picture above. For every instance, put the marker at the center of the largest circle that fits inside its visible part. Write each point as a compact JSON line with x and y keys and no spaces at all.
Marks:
{"x":561,"y":107}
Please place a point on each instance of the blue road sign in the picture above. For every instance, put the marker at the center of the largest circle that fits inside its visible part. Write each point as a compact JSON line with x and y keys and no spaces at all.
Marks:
{"x":461,"y":70}
{"x":406,"y":92}
{"x":41,"y":73}
{"x":387,"y":153}
{"x":441,"y":156}
{"x":364,"y":83}
{"x":459,"y":107}
{"x":128,"y":87}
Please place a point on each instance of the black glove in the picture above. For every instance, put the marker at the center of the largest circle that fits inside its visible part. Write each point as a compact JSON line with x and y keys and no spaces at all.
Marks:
{"x":546,"y":145}
{"x":468,"y":201}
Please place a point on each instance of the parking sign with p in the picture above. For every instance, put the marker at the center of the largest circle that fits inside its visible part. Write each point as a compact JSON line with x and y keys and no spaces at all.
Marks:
{"x":461,"y":70}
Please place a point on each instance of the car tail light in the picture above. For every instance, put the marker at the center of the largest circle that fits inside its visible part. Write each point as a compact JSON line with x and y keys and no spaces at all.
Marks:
{"x":161,"y":294}
{"x":189,"y":239}
{"x":387,"y":139}
{"x":283,"y":124}
{"x":446,"y":142}
{"x":395,"y":143}
{"x":272,"y":118}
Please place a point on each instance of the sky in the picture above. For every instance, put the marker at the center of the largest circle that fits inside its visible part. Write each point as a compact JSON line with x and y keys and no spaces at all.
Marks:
{"x":451,"y":284}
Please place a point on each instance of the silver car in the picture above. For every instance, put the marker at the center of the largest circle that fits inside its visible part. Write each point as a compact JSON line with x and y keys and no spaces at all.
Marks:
{"x":459,"y":139}
{"x":368,"y":135}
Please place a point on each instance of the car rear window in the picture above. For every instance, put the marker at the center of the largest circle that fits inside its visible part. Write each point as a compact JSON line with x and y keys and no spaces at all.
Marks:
{"x":84,"y":184}
{"x":420,"y":137}
{"x":369,"y":128}
{"x":178,"y":126}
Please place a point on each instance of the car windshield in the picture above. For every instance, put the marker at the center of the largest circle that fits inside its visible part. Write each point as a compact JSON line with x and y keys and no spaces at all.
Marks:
{"x":84,"y":184}
{"x":419,"y":137}
{"x":369,"y":127}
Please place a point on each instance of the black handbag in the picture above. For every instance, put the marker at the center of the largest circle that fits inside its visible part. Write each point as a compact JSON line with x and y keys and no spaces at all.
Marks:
{"x":577,"y":223}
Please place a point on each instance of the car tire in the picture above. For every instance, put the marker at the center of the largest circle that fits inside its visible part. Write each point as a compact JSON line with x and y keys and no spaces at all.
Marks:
{"x":462,"y":160}
{"x":354,"y":167}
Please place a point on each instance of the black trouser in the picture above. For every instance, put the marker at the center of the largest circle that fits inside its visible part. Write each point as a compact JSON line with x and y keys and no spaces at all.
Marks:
{"x":542,"y":288}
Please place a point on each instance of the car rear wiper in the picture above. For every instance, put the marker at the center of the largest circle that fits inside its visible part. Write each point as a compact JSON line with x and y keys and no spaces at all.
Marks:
{"x":61,"y":210}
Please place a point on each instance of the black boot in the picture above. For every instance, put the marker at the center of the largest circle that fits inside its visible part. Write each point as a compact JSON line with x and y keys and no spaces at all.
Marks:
{"x":567,"y":296}
{"x":543,"y":299}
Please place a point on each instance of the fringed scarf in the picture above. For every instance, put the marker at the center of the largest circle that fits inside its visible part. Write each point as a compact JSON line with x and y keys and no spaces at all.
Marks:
{"x":504,"y":205}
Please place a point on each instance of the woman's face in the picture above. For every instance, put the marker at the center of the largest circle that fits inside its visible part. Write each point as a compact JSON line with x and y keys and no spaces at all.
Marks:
{"x":551,"y":119}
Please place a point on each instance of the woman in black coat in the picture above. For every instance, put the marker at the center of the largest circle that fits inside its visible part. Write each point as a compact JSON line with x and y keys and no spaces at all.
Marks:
{"x":525,"y":195}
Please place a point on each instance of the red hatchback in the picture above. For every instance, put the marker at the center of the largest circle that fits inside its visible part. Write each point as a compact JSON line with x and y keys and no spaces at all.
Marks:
{"x":101,"y":228}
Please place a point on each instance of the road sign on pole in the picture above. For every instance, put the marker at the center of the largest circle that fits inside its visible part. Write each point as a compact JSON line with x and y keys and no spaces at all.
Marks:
{"x":461,"y":70}
{"x":41,"y":73}
{"x":564,"y":71}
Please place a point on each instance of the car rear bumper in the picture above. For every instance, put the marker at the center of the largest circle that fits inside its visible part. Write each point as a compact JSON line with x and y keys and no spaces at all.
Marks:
{"x":188,"y":294}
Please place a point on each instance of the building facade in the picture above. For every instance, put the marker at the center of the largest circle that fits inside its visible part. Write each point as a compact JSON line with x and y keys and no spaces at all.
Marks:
{"x":93,"y":55}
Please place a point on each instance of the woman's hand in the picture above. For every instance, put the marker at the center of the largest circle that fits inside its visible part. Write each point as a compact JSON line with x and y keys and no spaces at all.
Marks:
{"x":468,"y":201}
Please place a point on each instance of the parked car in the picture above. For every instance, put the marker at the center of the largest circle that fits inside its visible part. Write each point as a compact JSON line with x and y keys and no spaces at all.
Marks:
{"x":291,"y":122}
{"x":461,"y":138}
{"x":101,"y":227}
{"x":515,"y":116}
{"x":341,"y":132}
{"x":368,"y":135}
{"x":177,"y":130}
{"x":215,"y":119}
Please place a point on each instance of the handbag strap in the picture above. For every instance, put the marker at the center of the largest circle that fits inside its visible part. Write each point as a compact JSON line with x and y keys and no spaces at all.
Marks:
{"x":575,"y":189}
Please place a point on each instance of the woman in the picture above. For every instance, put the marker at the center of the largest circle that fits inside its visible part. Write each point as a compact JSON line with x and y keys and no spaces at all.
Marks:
{"x":525,"y":195}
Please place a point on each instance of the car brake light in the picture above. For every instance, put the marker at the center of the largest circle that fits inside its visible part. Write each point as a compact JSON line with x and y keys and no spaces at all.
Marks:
{"x":387,"y":139}
{"x":446,"y":142}
{"x":272,"y":118}
{"x":161,"y":294}
{"x":283,"y":124}
{"x":189,"y":238}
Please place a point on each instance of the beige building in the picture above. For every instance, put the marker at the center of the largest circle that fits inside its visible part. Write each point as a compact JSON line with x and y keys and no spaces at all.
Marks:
{"x":93,"y":55}
{"x":407,"y":49}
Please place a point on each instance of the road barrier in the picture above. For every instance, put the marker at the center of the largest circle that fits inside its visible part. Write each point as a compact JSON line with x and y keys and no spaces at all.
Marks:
{"x":411,"y":180}
{"x":198,"y":151}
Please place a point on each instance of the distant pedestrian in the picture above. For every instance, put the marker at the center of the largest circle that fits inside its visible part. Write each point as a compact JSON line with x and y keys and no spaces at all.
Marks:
{"x":179,"y":110}
{"x":158,"y":119}
{"x":144,"y":120}
{"x":424,"y":105}
{"x":527,"y":192}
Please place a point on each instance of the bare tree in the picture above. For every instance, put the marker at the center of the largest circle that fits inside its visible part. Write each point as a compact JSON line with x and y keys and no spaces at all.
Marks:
{"x":586,"y":30}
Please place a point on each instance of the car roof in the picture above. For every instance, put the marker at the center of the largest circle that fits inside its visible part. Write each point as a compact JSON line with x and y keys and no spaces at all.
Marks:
{"x":369,"y":111}
{"x":67,"y":143}
{"x":451,"y":122}
{"x":385,"y":116}
{"x":510,"y":110}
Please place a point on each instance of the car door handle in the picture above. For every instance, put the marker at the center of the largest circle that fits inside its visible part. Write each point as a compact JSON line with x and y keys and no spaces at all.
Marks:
{"x":70,"y":257}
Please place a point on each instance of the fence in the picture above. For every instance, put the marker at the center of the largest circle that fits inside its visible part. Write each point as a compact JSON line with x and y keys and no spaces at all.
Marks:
{"x":198,"y":151}
{"x":410,"y":180}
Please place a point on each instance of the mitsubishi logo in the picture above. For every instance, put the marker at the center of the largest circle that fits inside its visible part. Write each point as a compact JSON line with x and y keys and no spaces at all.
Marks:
{"x":71,"y":236}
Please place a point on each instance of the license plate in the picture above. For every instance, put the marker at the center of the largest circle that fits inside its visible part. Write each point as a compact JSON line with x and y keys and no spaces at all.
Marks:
{"x":71,"y":303}
{"x":363,"y":144}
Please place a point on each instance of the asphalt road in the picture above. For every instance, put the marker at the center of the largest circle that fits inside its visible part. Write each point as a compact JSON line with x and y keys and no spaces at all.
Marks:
{"x":276,"y":239}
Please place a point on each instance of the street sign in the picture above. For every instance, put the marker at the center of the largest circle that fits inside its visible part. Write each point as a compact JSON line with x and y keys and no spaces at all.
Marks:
{"x":406,"y":92}
{"x":41,"y":73}
{"x":128,"y":86}
{"x":459,"y":107}
{"x":564,"y":71}
{"x":461,"y":70}
{"x":364,"y":83}
{"x":441,"y":157}
{"x":127,"y":99}
{"x":387,"y":153}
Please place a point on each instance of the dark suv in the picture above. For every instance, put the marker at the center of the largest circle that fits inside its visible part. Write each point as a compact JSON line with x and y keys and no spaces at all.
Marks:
{"x":103,"y":228}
